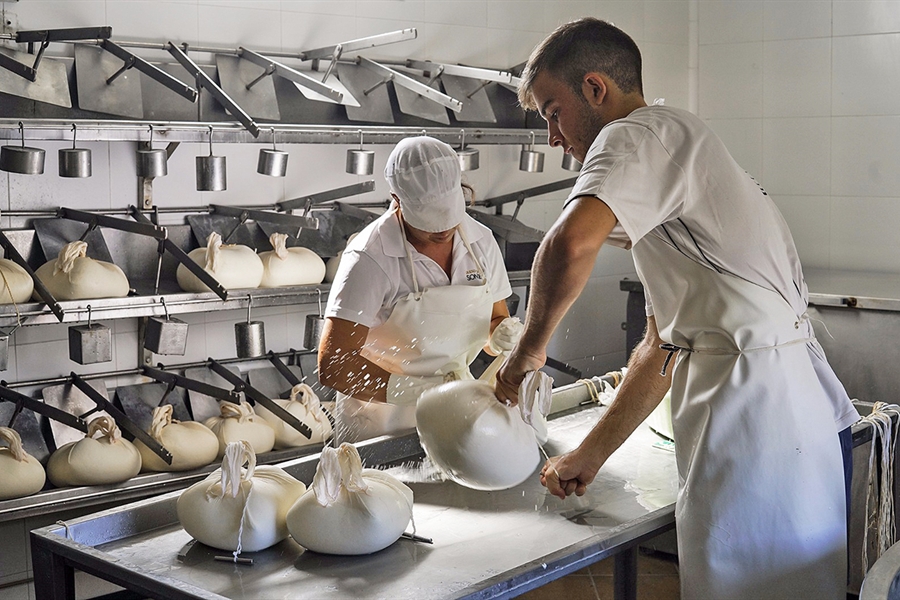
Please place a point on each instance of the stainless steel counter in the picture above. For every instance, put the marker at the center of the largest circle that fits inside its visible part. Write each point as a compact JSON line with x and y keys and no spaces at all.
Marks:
{"x":486,"y":544}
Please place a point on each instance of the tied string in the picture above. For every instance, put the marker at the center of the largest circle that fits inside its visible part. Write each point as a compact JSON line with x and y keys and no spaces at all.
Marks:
{"x":233,"y":476}
{"x":213,"y":249}
{"x":305,"y":395}
{"x":591,"y":388}
{"x":162,"y":418}
{"x":14,"y":441}
{"x":67,"y":256}
{"x":279,"y":245}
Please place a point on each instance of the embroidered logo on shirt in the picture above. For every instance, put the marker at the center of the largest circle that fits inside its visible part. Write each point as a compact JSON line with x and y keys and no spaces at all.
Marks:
{"x":474,"y":274}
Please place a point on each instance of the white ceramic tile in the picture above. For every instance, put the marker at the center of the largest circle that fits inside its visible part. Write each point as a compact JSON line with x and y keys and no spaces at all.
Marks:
{"x":35,"y":334}
{"x":12,"y":535}
{"x":797,"y":78}
{"x":796,"y":19}
{"x":126,"y":350}
{"x":728,"y":22}
{"x":731,"y":81}
{"x":270,"y":5}
{"x":345,"y":8}
{"x":460,"y":44}
{"x":856,"y":17}
{"x":240,"y":26}
{"x":16,"y":592}
{"x":809,"y":219}
{"x":864,"y":156}
{"x":796,"y":156}
{"x":47,"y":359}
{"x":520,"y":15}
{"x":303,"y":31}
{"x":864,"y":234}
{"x":52,"y":191}
{"x":564,"y":11}
{"x":743,"y":138}
{"x":865,"y":69}
{"x":48,"y":14}
{"x":392,"y":10}
{"x":457,"y":12}
{"x":154,"y":21}
{"x":666,"y":22}
{"x":627,"y":15}
{"x":220,"y":339}
{"x":665,"y":73}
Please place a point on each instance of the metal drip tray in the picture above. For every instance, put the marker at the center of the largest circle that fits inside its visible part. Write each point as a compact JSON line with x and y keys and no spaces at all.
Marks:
{"x":486,"y":544}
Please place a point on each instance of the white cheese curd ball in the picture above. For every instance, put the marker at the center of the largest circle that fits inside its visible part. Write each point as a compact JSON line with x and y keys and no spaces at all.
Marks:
{"x":475,"y":440}
{"x":285,"y":266}
{"x":191,"y":444}
{"x":331,"y":266}
{"x":75,"y":276}
{"x":240,"y":422}
{"x":303,"y":404}
{"x":102,"y":457}
{"x":350,"y":510}
{"x":239,"y":509}
{"x":232,"y":265}
{"x":16,"y":284}
{"x":21,"y":474}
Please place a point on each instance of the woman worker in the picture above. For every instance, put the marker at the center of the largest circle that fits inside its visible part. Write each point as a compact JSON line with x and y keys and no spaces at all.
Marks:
{"x":419,"y":292}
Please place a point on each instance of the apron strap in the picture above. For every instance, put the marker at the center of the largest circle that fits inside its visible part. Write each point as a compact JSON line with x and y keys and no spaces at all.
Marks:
{"x":672,"y":349}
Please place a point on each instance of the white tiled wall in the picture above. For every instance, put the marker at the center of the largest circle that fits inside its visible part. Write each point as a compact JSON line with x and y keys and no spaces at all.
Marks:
{"x":489,"y":33}
{"x":804,"y":93}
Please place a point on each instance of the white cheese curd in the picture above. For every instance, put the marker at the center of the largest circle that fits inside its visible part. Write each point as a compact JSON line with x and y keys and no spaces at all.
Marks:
{"x":331,"y":266}
{"x":16,"y":284}
{"x":232,"y":265}
{"x":303,"y":404}
{"x":475,"y":440}
{"x":239,"y":509}
{"x":285,"y":266}
{"x":102,"y":457}
{"x":75,"y":276}
{"x":240,"y":422}
{"x":348,"y":509}
{"x":23,"y":474}
{"x":191,"y":444}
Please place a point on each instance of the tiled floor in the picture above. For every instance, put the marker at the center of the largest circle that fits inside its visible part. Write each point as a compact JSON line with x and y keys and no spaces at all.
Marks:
{"x":657,"y":580}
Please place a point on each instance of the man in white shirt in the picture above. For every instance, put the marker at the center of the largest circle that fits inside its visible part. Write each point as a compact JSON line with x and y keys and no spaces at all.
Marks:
{"x":757,"y":410}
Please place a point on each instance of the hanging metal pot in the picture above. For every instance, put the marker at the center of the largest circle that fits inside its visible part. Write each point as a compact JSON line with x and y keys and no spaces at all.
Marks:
{"x":315,"y":324}
{"x":22,"y":159}
{"x":468,"y":157}
{"x":570,"y":163}
{"x":359,"y":161}
{"x":152,"y":163}
{"x":250,"y":337}
{"x":210,"y":170}
{"x":531,"y":160}
{"x":272,"y":162}
{"x":74,"y":162}
{"x":166,"y":336}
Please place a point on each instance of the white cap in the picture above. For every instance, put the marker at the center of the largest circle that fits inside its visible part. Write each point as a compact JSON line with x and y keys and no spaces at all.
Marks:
{"x":424,"y":174}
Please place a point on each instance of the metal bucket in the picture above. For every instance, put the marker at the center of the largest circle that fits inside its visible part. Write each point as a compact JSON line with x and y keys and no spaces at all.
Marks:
{"x":272,"y":162}
{"x":22,"y":159}
{"x":315,"y":324}
{"x":359,"y":161}
{"x":570,"y":163}
{"x":91,"y":343}
{"x":74,"y":162}
{"x":250,"y":337}
{"x":211,"y":173}
{"x":152,"y":163}
{"x":531,"y":160}
{"x":468,"y":157}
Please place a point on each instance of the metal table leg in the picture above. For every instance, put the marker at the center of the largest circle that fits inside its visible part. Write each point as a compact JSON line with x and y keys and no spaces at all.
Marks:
{"x":53,"y":578}
{"x":625,"y":574}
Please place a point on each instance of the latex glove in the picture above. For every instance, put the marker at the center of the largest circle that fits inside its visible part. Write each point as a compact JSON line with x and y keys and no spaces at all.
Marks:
{"x":404,"y":390}
{"x":505,"y":335}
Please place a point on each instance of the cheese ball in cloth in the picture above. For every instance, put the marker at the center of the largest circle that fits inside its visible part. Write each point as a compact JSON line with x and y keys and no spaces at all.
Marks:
{"x":102,"y":457}
{"x":240,"y":422}
{"x":75,"y":276}
{"x":23,"y":474}
{"x":232,"y":265}
{"x":191,"y":444}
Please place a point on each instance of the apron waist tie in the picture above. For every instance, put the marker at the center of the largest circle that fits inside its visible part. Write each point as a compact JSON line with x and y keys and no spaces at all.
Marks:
{"x":672,"y":349}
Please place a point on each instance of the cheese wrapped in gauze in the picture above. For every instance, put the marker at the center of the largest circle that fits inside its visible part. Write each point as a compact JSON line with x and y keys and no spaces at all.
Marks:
{"x":349,"y":509}
{"x":290,"y":266}
{"x":191,"y":444}
{"x":303,"y":404}
{"x":240,"y":422}
{"x":102,"y":457}
{"x":475,"y":440}
{"x":16,"y":286}
{"x":331,"y":266}
{"x":232,"y":265}
{"x":23,"y":474}
{"x":74,"y":276}
{"x":239,"y":509}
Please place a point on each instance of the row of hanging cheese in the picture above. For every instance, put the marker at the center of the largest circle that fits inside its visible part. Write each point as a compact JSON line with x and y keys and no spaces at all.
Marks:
{"x":104,"y":457}
{"x":75,"y":276}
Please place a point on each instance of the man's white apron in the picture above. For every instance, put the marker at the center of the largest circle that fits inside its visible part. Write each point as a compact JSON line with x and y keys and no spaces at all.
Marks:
{"x":761,"y":507}
{"x":432,"y":331}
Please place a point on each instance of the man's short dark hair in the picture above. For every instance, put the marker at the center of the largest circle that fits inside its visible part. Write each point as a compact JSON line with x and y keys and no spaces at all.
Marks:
{"x":581,"y":47}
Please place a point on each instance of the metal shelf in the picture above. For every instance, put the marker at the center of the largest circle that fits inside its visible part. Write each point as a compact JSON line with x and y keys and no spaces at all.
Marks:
{"x":233,"y":132}
{"x":37,"y":313}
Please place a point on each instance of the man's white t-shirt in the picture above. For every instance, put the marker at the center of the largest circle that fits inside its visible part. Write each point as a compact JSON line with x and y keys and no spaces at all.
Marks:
{"x":374,"y":272}
{"x":663,"y":172}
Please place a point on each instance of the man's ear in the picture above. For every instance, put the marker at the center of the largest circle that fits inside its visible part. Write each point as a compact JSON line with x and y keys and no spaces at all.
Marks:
{"x":594,"y":88}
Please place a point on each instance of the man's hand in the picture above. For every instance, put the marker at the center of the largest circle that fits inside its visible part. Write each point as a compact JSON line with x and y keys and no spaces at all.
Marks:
{"x":513,"y":372}
{"x":568,"y":474}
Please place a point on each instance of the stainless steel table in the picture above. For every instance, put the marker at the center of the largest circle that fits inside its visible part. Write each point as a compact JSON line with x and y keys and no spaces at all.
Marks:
{"x":486,"y":544}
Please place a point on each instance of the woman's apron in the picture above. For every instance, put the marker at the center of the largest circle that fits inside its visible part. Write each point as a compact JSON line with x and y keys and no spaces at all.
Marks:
{"x":433,"y":331}
{"x":761,"y":506}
